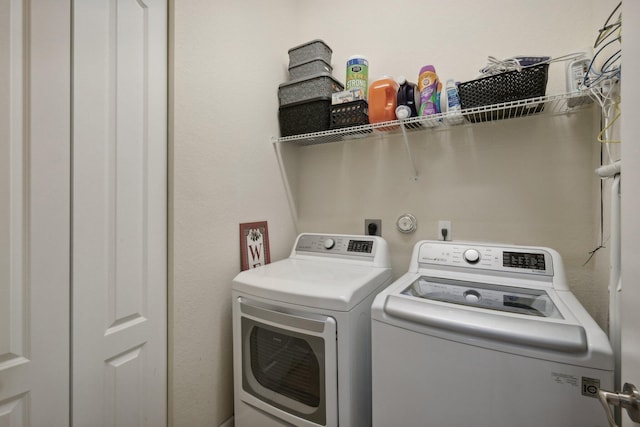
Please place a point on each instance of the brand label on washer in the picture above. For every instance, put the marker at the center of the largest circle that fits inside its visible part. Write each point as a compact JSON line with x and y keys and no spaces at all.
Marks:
{"x":569,"y":379}
{"x":590,"y":386}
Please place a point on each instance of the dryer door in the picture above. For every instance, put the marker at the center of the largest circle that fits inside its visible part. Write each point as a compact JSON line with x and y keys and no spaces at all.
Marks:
{"x":288,"y":363}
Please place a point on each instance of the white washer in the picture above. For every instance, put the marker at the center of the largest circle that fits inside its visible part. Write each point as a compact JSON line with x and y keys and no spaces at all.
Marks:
{"x":302,"y":333}
{"x":487,"y":336}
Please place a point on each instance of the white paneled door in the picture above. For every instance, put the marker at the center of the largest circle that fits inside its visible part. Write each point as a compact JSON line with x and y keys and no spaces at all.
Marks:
{"x":119,"y":213}
{"x":630,"y":294}
{"x":34,"y":212}
{"x":83,"y":174}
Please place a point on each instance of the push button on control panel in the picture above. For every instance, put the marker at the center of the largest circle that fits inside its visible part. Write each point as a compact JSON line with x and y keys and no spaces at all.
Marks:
{"x":471,"y":296}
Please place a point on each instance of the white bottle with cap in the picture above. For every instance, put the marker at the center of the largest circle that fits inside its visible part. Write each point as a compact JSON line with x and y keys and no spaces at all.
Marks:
{"x":452,"y":99}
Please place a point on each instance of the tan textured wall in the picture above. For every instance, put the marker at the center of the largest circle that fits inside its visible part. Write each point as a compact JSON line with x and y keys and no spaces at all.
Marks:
{"x":526,"y":181}
{"x":227,"y":62}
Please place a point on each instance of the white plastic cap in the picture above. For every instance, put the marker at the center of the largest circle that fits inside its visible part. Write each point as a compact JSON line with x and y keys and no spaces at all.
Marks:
{"x":403,"y":112}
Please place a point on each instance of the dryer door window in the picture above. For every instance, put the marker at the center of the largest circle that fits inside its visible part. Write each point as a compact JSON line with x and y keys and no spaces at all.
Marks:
{"x":289,"y":364}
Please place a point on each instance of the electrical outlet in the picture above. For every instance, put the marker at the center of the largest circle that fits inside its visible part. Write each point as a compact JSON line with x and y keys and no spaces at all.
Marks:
{"x":373,"y":227}
{"x":444,"y":230}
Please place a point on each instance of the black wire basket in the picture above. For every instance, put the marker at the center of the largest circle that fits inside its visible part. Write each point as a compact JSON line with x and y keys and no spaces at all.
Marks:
{"x":530,"y":82}
{"x":352,"y":113}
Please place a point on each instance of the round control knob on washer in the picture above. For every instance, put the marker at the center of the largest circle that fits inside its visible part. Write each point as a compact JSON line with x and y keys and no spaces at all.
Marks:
{"x":471,"y":256}
{"x":329,"y":243}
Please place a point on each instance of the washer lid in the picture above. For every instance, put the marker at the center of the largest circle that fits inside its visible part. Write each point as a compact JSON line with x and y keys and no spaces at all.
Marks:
{"x":510,"y":315}
{"x":556,"y":336}
{"x":529,"y":302}
{"x":313,"y":283}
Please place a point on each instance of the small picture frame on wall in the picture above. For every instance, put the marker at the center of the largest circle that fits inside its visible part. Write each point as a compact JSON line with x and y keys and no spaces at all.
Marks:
{"x":254,"y":245}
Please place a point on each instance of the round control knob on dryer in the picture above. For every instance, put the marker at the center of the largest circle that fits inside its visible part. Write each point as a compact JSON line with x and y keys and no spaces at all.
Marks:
{"x":329,"y":243}
{"x":471,"y":256}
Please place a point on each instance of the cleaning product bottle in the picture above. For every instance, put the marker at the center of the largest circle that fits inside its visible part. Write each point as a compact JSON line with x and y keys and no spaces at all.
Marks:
{"x":454,"y":109}
{"x":428,"y":87}
{"x":408,"y":99}
{"x":383,"y":100}
{"x":357,"y":76}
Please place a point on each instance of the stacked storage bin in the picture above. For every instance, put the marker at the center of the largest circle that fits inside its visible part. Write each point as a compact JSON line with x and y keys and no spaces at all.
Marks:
{"x":305,"y":100}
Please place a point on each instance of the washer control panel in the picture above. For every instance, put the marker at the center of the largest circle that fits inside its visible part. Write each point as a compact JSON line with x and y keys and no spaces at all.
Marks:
{"x":337,"y":245}
{"x":482,"y":256}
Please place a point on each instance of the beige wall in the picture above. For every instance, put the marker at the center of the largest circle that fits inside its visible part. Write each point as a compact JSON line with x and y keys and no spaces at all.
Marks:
{"x":525,"y":181}
{"x":227,"y":59}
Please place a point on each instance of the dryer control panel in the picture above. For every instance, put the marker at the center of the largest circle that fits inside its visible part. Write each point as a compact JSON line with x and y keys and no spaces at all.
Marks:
{"x":513,"y":259}
{"x":340,"y":245}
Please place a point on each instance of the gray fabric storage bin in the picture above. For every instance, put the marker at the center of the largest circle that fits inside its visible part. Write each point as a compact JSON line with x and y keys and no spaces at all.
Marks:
{"x":309,"y":68}
{"x":318,"y":85}
{"x":309,"y":50}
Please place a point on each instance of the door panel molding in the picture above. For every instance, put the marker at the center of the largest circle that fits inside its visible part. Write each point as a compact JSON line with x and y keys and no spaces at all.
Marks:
{"x":35,"y":57}
{"x":14,"y":192}
{"x":119,"y":192}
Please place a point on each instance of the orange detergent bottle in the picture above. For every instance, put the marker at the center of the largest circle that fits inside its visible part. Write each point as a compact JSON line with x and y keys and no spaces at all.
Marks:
{"x":382,"y":100}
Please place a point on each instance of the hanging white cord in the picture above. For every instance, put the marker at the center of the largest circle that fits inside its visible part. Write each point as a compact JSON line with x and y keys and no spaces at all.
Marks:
{"x":497,"y":66}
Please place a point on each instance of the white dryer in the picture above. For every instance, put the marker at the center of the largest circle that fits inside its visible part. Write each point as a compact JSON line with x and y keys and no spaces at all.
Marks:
{"x":302,"y":333}
{"x":486,"y":335}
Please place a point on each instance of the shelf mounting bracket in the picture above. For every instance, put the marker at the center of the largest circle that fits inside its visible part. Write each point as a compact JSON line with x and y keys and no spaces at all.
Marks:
{"x":409,"y":153}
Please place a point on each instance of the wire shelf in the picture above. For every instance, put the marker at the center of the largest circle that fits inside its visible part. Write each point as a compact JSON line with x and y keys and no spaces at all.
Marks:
{"x":547,"y":105}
